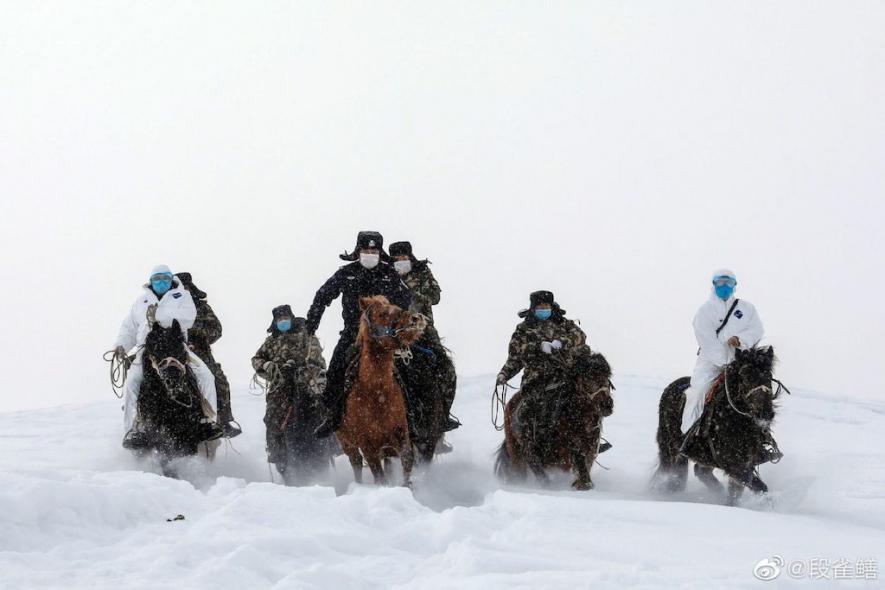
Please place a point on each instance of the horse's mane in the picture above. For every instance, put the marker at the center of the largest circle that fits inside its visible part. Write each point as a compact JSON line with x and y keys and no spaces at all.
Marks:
{"x":587,"y":362}
{"x":761,"y":358}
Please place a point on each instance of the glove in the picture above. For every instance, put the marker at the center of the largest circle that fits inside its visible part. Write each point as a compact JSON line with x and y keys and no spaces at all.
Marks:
{"x":556,"y":344}
{"x":501,"y":379}
{"x":546,"y":347}
{"x":119,"y":353}
{"x":268,"y":367}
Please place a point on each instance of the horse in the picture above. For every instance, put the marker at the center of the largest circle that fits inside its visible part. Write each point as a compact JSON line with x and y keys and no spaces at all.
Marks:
{"x":731,"y":432}
{"x":375,"y":424}
{"x":428,"y":382}
{"x":307,"y":458}
{"x":170,"y":406}
{"x":559,"y":426}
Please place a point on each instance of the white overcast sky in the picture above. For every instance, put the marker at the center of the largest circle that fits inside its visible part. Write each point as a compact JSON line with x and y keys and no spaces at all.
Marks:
{"x":613,"y":152}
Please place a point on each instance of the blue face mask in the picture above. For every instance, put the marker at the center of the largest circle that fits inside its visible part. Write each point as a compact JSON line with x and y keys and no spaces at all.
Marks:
{"x":724,"y":292}
{"x":543,"y":314}
{"x":160,"y":286}
{"x":284,"y":325}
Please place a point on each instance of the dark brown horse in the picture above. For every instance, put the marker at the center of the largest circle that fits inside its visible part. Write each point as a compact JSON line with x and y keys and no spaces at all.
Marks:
{"x":559,"y":427}
{"x":375,"y":424}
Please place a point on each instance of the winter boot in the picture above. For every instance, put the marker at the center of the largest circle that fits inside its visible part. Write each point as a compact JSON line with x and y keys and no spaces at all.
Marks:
{"x":135,"y":440}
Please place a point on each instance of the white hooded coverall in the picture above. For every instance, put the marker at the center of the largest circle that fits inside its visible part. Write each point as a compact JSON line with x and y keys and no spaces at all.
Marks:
{"x":175,"y":304}
{"x":715,"y":352}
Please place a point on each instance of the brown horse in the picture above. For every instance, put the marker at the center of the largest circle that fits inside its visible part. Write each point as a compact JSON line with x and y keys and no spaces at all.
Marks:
{"x":375,"y":425}
{"x":560,"y":426}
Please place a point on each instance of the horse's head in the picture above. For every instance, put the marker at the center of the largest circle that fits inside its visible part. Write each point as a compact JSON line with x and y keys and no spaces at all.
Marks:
{"x":751,"y":375}
{"x":387,"y":325}
{"x":592,"y":377}
{"x":166,"y":353}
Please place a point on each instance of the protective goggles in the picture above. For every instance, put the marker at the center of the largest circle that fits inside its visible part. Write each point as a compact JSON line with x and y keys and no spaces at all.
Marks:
{"x":722,"y":281}
{"x":161,"y":277}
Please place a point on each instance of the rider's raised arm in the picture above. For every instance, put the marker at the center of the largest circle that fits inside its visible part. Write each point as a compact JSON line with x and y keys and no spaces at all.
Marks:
{"x":753,"y":333}
{"x":324,"y":297}
{"x":705,"y":326}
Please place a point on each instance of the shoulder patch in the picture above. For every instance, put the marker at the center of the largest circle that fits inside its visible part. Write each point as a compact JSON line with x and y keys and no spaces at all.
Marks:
{"x":738,"y":314}
{"x":176,"y":295}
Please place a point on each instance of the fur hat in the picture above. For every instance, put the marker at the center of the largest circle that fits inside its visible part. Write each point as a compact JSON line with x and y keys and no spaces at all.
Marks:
{"x":188,"y":282}
{"x":405,"y":249}
{"x":539,"y":298}
{"x":281,"y":311}
{"x":724,"y":273}
{"x":366,"y":240}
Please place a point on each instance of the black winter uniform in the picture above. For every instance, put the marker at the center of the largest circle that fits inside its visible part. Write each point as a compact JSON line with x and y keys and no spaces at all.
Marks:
{"x":351,"y":282}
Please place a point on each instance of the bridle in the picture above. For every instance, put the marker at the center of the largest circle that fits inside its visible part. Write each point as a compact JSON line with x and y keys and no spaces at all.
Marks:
{"x":165,"y":363}
{"x":380,"y":331}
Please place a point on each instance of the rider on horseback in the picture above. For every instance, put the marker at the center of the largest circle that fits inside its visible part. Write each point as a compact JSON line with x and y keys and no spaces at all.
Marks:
{"x":202,"y":335}
{"x":544,"y":331}
{"x":163,"y":299}
{"x":368,"y":274}
{"x":722,"y":325}
{"x":288,"y":354}
{"x":425,"y":290}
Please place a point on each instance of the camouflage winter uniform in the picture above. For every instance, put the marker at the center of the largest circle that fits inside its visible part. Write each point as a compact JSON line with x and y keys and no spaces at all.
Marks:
{"x":205,"y":332}
{"x":425,"y":294}
{"x":298,"y":361}
{"x":525,"y":349}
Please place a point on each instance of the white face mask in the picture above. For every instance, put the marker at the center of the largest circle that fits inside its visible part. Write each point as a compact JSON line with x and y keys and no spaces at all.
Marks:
{"x":369,"y":260}
{"x":403,"y":267}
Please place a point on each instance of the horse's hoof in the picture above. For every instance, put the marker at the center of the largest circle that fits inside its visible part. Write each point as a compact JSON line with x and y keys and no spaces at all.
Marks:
{"x":582,"y":486}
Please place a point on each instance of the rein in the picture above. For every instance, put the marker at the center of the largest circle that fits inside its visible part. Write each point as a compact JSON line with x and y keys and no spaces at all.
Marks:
{"x":119,"y":369}
{"x":499,"y":405}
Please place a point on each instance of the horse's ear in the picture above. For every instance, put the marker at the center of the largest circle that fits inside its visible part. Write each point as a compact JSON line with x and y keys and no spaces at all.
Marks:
{"x":739,"y":354}
{"x":176,"y":327}
{"x":769,"y":352}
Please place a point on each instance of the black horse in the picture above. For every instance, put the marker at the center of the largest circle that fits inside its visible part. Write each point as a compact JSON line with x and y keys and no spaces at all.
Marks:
{"x":731,"y":434}
{"x":560,"y":425}
{"x":306,"y":458}
{"x":428,"y":379}
{"x":170,"y":407}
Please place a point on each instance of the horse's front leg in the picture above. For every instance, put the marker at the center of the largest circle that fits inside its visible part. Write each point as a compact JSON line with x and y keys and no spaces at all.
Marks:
{"x":356,"y":461}
{"x":581,"y":471}
{"x":374,"y":460}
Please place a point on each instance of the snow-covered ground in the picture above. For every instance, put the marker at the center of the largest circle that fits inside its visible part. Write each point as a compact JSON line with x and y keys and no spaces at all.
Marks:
{"x":76,"y":511}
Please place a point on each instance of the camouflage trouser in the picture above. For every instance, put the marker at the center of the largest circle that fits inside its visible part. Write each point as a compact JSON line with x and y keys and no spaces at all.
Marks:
{"x":276,"y":415}
{"x":222,"y":390}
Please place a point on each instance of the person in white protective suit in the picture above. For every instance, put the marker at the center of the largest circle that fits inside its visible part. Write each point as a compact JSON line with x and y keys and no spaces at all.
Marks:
{"x":722,"y":324}
{"x":165,"y":297}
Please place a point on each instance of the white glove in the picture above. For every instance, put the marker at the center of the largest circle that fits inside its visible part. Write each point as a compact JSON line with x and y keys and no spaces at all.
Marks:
{"x":546,"y":347}
{"x":556,"y":344}
{"x":501,"y":379}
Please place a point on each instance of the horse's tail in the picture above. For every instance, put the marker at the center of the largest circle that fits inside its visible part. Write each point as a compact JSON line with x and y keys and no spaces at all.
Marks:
{"x":503,"y":462}
{"x":671,"y":465}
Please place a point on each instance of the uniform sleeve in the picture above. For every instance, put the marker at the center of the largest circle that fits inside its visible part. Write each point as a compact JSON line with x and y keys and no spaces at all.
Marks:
{"x":261,"y":357}
{"x":315,"y":353}
{"x":177,"y":305}
{"x":400,"y":294}
{"x":573,"y":337}
{"x":430,"y":290}
{"x":705,"y":333}
{"x":515,"y":354}
{"x":330,"y":291}
{"x":207,"y":324}
{"x":128,"y":334}
{"x":753,"y":333}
